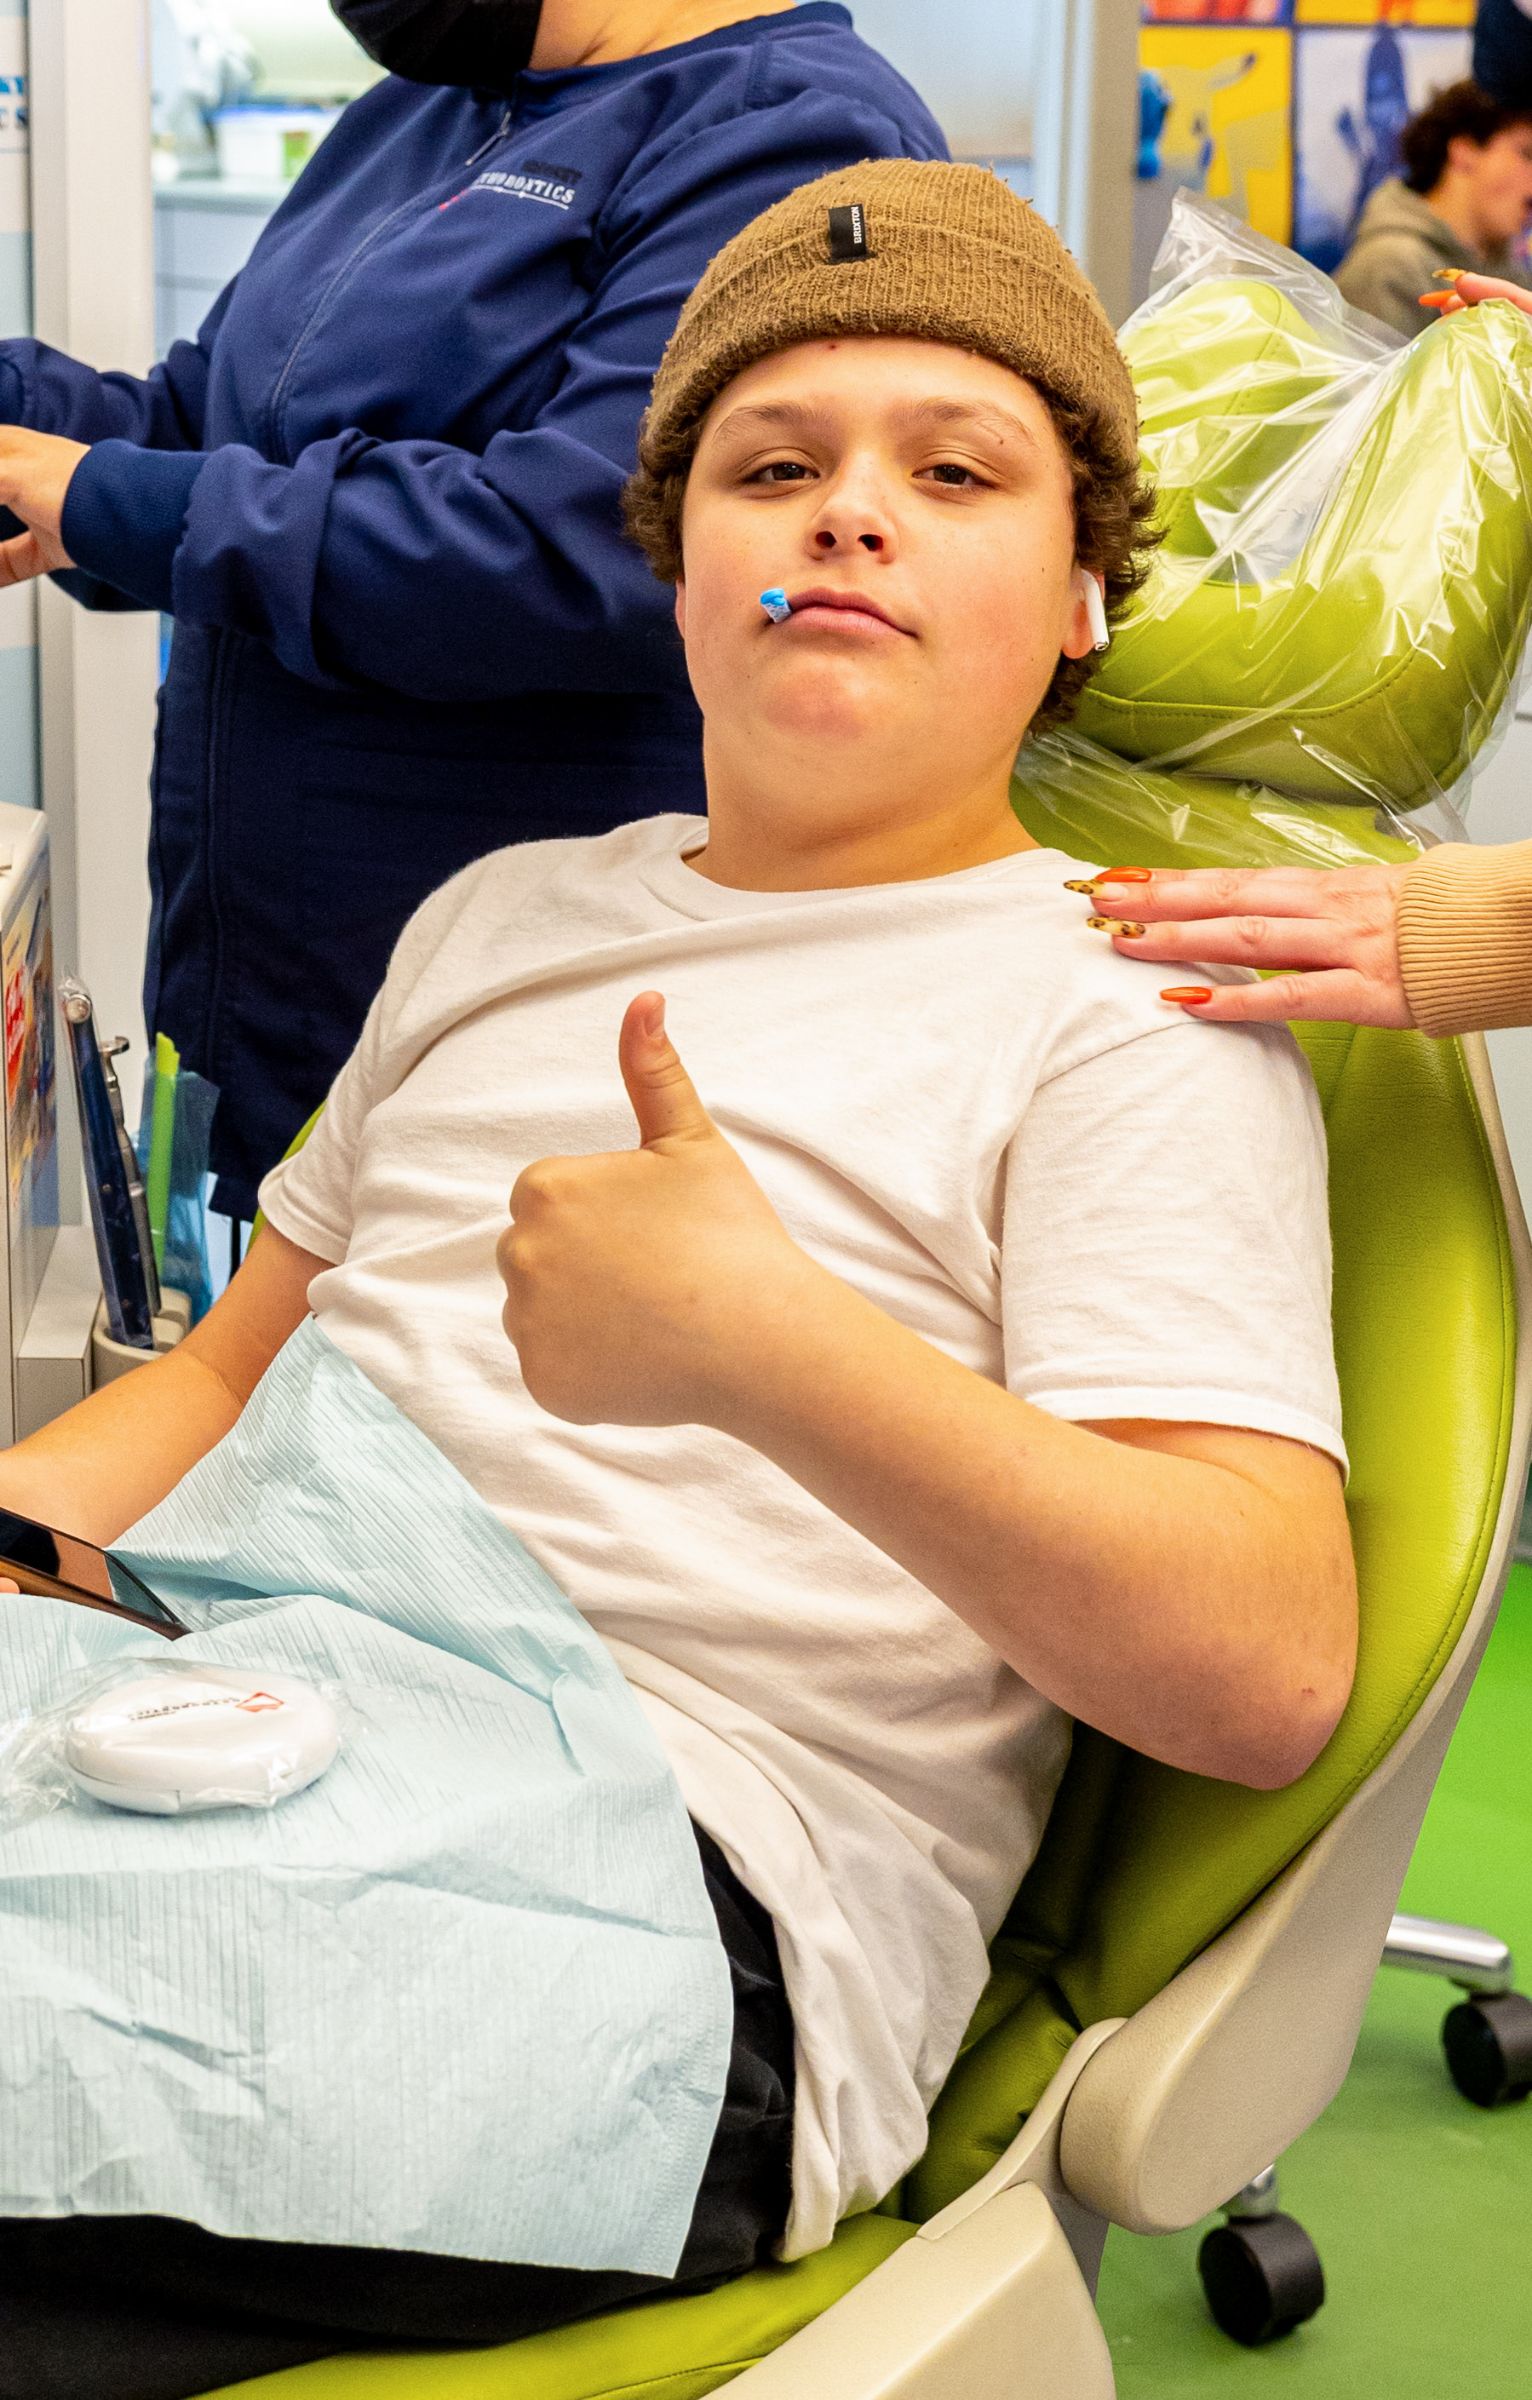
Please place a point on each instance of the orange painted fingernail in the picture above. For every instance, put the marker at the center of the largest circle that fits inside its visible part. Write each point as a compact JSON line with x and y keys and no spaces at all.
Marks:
{"x":1188,"y":995}
{"x":1437,"y":299}
{"x":1125,"y":875}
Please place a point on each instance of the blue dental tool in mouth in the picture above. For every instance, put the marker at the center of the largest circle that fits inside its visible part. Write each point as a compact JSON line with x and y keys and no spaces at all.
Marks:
{"x":777,"y":605}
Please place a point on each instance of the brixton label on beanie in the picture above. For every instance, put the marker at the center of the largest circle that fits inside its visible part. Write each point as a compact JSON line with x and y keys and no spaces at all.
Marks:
{"x":848,"y":235}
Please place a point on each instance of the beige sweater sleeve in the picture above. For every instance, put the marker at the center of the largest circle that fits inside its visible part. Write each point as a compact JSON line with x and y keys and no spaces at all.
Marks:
{"x":1465,"y":937}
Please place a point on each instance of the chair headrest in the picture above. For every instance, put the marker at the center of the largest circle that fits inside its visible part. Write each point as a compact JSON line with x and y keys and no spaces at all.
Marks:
{"x":1344,"y":591}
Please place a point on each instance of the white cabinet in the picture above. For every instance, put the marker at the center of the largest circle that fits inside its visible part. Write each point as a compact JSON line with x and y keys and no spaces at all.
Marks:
{"x":204,"y":231}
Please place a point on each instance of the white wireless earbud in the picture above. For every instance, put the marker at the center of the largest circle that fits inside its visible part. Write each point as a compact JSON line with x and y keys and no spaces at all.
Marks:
{"x":1095,"y":607}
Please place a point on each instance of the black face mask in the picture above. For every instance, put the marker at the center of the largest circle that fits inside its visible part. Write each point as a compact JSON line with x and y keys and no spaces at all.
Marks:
{"x":1502,"y":52}
{"x":481,"y":45}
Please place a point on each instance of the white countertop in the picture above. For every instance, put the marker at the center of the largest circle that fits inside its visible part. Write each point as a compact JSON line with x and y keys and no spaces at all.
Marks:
{"x":217,"y":191}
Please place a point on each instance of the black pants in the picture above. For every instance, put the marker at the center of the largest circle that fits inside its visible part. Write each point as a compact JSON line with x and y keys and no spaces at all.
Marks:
{"x":149,"y":2308}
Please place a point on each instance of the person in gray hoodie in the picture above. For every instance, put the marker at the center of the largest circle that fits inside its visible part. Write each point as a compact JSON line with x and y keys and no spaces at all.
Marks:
{"x":1465,"y":195}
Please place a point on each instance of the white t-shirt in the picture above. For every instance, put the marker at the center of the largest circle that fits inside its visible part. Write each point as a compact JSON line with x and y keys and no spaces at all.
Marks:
{"x":960,"y":1100}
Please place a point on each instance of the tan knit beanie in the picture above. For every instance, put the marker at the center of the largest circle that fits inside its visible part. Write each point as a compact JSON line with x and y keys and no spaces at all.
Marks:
{"x":895,"y":246}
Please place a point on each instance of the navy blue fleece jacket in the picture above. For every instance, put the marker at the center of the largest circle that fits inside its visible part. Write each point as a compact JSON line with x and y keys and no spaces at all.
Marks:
{"x":380,"y":495}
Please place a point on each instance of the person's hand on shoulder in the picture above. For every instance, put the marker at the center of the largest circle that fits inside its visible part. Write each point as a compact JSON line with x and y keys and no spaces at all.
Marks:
{"x":35,"y":474}
{"x":1464,"y":289}
{"x":639,"y":1284}
{"x":1327,"y":938}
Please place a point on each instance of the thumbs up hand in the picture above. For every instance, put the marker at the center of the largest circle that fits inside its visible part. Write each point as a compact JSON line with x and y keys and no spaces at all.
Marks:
{"x":638,"y":1282}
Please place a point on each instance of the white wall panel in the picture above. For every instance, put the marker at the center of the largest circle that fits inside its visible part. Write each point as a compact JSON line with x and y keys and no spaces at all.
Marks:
{"x":94,"y":279}
{"x":974,"y":63}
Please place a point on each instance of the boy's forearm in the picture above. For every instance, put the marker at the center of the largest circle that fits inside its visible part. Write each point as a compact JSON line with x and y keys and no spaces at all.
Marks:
{"x":98,"y":1469}
{"x":989,"y":1502}
{"x":1014,"y":1519}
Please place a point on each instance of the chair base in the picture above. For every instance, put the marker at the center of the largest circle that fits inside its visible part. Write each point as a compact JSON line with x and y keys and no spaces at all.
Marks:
{"x":1460,"y":1954}
{"x":1488,"y":2037}
{"x":1488,"y":2045}
{"x":1260,"y":2272}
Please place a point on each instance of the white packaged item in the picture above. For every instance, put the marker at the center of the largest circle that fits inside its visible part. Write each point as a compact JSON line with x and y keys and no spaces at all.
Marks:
{"x":168,"y":1737}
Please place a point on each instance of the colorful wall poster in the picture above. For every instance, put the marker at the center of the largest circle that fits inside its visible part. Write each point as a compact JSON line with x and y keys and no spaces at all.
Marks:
{"x":1217,"y":12}
{"x":1215,"y":119}
{"x":1385,"y":12}
{"x":26,"y":981}
{"x":1355,"y":89}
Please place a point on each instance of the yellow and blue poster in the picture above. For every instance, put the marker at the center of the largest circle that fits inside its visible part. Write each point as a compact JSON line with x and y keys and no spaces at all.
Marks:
{"x":1287,"y":112}
{"x":1355,"y":90}
{"x":1217,"y":118}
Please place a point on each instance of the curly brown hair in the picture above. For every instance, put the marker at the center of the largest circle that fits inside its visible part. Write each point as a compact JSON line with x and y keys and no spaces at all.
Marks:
{"x":1460,"y":111}
{"x":1114,"y":533}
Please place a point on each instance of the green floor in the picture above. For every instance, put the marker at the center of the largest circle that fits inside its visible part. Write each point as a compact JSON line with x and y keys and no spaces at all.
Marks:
{"x":1421,"y":2204}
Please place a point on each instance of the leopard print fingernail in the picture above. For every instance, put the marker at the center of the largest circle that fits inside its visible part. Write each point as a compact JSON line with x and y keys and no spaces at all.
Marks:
{"x":1120,"y":927}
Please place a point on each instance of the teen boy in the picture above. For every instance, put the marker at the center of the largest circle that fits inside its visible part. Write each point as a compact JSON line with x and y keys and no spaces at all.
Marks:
{"x":943,"y":1351}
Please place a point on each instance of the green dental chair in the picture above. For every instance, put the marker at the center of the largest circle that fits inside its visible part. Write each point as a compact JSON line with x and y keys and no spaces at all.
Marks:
{"x":1178,"y":1990}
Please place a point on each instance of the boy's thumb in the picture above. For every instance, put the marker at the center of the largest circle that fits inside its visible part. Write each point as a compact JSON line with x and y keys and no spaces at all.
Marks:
{"x":664,"y":1098}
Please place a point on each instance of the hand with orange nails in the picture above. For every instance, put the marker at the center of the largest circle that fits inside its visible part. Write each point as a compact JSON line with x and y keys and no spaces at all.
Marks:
{"x":640,"y":1283}
{"x":1466,"y":289}
{"x":1328,"y":939}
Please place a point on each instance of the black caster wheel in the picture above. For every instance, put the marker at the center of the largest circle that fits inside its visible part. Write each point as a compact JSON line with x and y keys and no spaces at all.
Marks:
{"x":1261,"y":2276}
{"x":1488,"y":2042}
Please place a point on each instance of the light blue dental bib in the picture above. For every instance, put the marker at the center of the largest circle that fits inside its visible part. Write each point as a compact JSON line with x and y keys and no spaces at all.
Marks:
{"x":466,"y":1993}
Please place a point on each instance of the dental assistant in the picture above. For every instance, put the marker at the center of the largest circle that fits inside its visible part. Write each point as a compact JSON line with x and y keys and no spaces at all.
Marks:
{"x":380,"y":493}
